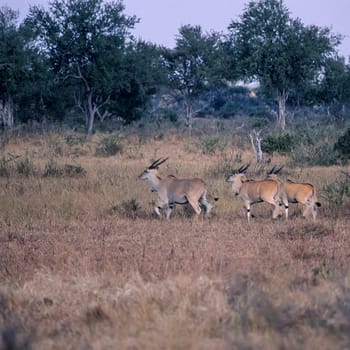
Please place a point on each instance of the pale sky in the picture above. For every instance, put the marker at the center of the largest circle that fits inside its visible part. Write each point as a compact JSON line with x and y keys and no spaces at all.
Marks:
{"x":160,"y":20}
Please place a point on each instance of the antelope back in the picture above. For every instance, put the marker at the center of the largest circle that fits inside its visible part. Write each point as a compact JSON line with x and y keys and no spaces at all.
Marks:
{"x":299,"y":192}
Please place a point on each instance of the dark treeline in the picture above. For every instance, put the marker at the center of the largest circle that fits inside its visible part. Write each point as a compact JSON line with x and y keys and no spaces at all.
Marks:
{"x":77,"y":63}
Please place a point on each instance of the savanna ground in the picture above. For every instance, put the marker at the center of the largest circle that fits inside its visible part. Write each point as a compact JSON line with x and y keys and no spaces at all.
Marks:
{"x":85,"y":263}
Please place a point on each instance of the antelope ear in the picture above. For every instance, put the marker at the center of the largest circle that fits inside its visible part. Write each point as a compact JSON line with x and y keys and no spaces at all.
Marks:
{"x":244,"y":178}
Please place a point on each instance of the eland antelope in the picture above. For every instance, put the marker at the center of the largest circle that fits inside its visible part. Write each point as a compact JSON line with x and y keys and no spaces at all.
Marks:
{"x":171,"y":190}
{"x":303,"y":193}
{"x":251,"y":191}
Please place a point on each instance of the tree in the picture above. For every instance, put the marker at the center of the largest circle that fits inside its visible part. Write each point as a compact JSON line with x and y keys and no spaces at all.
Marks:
{"x":334,"y":87}
{"x":85,"y":41}
{"x":144,"y":74}
{"x":189,"y":64}
{"x":14,"y":64}
{"x":277,"y":50}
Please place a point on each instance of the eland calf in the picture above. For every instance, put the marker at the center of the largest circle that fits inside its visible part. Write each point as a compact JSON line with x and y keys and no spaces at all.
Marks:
{"x":171,"y":190}
{"x":251,"y":191}
{"x":293,"y":192}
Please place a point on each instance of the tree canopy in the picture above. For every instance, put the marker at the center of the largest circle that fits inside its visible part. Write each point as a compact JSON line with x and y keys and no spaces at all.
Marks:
{"x":85,"y":41}
{"x":190,"y":63}
{"x":277,"y":50}
{"x":77,"y":62}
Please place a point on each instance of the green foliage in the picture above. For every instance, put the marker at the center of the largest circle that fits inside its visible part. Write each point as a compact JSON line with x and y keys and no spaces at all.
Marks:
{"x":279,"y":51}
{"x":109,"y":146}
{"x":281,"y":143}
{"x":169,"y":114}
{"x":18,"y":66}
{"x":230,"y":109}
{"x":189,"y":64}
{"x":343,"y":145}
{"x":211,"y":144}
{"x":313,"y":155}
{"x":335,"y":84}
{"x":74,"y":140}
{"x":337,"y":191}
{"x":322,"y":271}
{"x":87,"y":43}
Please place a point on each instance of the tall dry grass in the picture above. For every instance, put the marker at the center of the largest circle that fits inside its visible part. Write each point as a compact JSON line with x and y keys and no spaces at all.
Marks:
{"x":85,"y":263}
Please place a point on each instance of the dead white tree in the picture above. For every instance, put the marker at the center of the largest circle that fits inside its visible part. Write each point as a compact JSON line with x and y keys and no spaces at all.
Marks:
{"x":255,"y":140}
{"x":6,"y":113}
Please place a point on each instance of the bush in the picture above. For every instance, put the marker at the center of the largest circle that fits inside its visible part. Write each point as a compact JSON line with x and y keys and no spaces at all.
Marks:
{"x":281,"y":143}
{"x":314,"y":155}
{"x":109,"y":146}
{"x":6,"y":167}
{"x":129,"y":209}
{"x":74,"y":170}
{"x":25,"y":167}
{"x":336,"y":192}
{"x":169,"y":114}
{"x":230,"y":109}
{"x":52,"y":169}
{"x":212,"y":143}
{"x":74,"y":140}
{"x":343,"y":145}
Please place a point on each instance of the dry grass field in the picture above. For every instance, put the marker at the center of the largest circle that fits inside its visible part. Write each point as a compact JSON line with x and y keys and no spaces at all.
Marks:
{"x":86,"y":264}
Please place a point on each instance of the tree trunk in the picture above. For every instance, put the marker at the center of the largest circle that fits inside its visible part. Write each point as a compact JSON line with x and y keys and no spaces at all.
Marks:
{"x":90,"y":114}
{"x":255,"y":140}
{"x":6,"y":113}
{"x":281,"y":117}
{"x":189,"y":114}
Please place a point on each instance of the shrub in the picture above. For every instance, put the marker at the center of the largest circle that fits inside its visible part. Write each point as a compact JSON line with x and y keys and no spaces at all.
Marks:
{"x":336,"y":192}
{"x":6,"y":166}
{"x":129,"y":209}
{"x":74,"y":170}
{"x":212,"y":143}
{"x":229,"y":109}
{"x":343,"y":145}
{"x":16,"y":165}
{"x":52,"y":169}
{"x":169,"y":114}
{"x":224,"y":165}
{"x":322,"y":271}
{"x":109,"y":146}
{"x":25,"y":167}
{"x":280,"y":143}
{"x":314,"y":155}
{"x":73,"y":140}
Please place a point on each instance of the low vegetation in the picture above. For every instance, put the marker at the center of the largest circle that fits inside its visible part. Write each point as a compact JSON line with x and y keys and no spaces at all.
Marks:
{"x":85,"y":262}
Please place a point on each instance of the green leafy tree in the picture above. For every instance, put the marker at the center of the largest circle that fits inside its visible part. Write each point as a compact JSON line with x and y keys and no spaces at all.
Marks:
{"x":343,"y":145}
{"x":189,"y":64}
{"x":144,"y":74}
{"x":85,"y":41}
{"x":335,"y":82}
{"x":16,"y":65}
{"x":277,"y":50}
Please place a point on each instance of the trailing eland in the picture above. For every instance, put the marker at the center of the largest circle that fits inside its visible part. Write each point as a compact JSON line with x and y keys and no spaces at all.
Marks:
{"x":303,"y":193}
{"x":171,"y":190}
{"x":251,"y":191}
